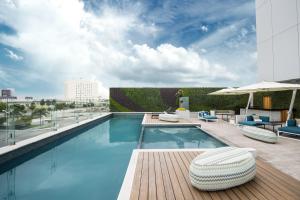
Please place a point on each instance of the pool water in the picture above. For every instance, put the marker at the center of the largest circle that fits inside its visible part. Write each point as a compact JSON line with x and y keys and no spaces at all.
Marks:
{"x":91,"y":165}
{"x":178,"y":137}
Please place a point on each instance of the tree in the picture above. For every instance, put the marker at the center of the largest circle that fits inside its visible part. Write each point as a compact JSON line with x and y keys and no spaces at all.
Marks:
{"x":53,"y":102}
{"x":32,"y":106}
{"x":48,"y":102}
{"x":72,"y":105}
{"x":18,"y":110}
{"x":39,"y":112}
{"x":60,"y":106}
{"x":42,"y":102}
{"x":2,"y":106}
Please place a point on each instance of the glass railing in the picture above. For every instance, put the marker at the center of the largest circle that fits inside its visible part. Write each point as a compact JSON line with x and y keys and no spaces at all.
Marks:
{"x":22,"y":121}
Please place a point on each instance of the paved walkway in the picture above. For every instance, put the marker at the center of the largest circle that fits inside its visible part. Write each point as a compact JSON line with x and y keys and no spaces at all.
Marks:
{"x":284,"y":155}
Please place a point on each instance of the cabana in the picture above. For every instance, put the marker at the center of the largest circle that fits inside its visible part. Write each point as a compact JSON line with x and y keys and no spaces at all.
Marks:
{"x":261,"y":87}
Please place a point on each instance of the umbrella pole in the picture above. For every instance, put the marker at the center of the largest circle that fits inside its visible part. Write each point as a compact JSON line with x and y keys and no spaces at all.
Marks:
{"x":292,"y":104}
{"x":250,"y":101}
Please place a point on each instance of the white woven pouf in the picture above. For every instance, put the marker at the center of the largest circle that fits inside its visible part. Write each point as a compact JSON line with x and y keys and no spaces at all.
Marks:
{"x":222,"y":168}
{"x":260,"y":134}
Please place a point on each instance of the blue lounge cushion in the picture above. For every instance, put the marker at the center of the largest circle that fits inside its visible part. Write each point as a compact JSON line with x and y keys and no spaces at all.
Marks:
{"x":203,"y":113}
{"x":290,"y":129}
{"x":291,"y":122}
{"x":249,"y":118}
{"x":264,"y":118}
{"x":249,"y":123}
{"x":210,"y":117}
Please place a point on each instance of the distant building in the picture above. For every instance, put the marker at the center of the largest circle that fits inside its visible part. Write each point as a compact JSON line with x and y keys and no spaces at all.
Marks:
{"x":6,"y":93}
{"x":278,"y":40}
{"x":81,"y":90}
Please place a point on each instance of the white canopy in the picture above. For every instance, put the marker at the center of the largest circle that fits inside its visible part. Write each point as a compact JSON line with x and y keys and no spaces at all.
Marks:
{"x":227,"y":91}
{"x":261,"y":87}
{"x":267,"y":87}
{"x":257,"y":87}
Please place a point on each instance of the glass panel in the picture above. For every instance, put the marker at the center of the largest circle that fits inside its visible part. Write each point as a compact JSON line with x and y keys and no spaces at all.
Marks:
{"x":23,"y":120}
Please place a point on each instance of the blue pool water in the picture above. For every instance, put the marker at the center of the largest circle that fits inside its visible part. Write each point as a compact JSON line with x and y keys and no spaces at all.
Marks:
{"x":91,"y":165}
{"x":178,"y":137}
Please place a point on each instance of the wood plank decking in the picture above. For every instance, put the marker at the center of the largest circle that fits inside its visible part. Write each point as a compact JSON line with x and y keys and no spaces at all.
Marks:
{"x":164,"y":175}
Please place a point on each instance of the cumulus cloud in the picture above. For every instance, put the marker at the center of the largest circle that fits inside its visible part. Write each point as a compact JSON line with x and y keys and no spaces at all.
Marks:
{"x":12,"y":55}
{"x":204,"y":28}
{"x":64,"y":41}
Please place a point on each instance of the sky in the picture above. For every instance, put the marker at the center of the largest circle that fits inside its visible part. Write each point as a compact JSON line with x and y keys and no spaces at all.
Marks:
{"x":126,"y":43}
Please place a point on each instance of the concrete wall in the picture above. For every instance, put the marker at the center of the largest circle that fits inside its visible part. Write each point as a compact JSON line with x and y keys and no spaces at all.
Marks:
{"x":278,"y":33}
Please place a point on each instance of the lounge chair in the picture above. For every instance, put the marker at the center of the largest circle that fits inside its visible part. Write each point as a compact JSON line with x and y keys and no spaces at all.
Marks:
{"x":290,"y":128}
{"x":168,"y":117}
{"x":204,"y":115}
{"x":260,"y":134}
{"x":249,"y":121}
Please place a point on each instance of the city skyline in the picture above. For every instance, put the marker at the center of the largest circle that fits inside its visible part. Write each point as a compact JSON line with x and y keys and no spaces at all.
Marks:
{"x":126,"y":43}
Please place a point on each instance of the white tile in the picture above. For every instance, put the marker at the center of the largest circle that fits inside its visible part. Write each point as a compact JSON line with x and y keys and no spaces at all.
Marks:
{"x":286,"y":55}
{"x":263,"y":22}
{"x":265,"y":61}
{"x":284,"y":15}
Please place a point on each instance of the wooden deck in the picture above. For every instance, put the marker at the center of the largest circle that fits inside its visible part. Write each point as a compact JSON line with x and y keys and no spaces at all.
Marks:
{"x":164,"y":175}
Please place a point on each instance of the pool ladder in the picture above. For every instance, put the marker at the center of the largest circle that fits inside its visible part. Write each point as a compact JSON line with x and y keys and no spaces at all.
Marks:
{"x":141,"y":138}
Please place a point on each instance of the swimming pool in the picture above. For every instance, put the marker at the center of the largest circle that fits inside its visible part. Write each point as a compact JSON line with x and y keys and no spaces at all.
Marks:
{"x":178,"y":137}
{"x":91,"y":165}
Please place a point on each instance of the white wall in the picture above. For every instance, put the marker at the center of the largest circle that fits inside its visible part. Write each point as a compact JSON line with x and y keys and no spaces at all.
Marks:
{"x":278,"y":44}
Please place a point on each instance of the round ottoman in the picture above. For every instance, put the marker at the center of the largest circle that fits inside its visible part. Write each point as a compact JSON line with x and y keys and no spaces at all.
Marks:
{"x":222,"y":168}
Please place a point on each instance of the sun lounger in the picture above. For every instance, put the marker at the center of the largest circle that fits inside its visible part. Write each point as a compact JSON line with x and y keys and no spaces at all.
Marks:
{"x":249,"y":121}
{"x":291,"y":128}
{"x":168,"y":117}
{"x":204,"y":115}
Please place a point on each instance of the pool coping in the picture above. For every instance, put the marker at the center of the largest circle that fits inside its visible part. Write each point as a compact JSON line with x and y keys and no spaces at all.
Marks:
{"x":10,"y":152}
{"x":165,"y":123}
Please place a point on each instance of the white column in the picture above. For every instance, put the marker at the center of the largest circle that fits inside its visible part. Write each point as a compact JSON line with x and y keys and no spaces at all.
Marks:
{"x":292,"y":104}
{"x":250,"y":102}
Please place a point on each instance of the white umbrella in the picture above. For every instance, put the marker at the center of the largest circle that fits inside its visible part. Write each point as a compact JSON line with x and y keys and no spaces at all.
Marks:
{"x":261,"y":87}
{"x":267,"y":87}
{"x":227,"y":91}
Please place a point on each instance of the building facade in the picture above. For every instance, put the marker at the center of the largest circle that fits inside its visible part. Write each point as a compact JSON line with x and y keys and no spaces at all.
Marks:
{"x":278,"y":43}
{"x":81,"y":90}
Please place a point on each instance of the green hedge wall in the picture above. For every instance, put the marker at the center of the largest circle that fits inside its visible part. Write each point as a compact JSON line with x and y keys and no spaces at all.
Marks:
{"x":149,"y":99}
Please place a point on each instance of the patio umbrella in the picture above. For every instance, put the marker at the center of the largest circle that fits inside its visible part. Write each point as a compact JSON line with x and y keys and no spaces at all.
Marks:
{"x":262,"y":87}
{"x":227,"y":91}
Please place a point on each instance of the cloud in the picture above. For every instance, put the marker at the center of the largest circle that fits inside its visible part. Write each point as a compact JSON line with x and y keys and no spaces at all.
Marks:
{"x":63,"y":41}
{"x":204,"y":28}
{"x":12,"y":55}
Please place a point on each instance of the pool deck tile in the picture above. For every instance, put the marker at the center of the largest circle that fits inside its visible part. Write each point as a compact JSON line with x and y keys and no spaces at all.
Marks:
{"x":284,"y":155}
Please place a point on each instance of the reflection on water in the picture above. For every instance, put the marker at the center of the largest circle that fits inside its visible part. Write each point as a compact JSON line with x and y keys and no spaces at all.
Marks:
{"x":183,"y":137}
{"x":90,"y":165}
